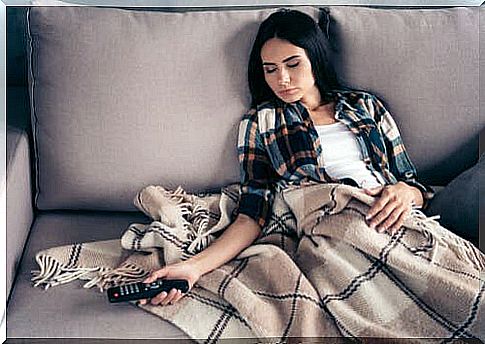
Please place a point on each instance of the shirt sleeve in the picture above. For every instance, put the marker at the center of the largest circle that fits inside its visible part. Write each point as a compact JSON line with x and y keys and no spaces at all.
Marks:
{"x":256,"y":171}
{"x":400,"y":164}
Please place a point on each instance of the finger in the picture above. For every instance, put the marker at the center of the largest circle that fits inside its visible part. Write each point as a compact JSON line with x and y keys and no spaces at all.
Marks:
{"x":171,"y":295}
{"x":159,"y":298}
{"x":155,"y":275}
{"x":142,"y":302}
{"x":399,"y":222}
{"x":374,"y":191}
{"x":382,"y":216}
{"x":178,"y":296}
{"x":377,"y":207}
{"x":391,"y":219}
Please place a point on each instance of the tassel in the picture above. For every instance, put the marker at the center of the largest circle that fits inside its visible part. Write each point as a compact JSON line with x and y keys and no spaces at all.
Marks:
{"x":436,"y":234}
{"x":49,"y":268}
{"x":126,"y":273}
{"x":53,"y":273}
{"x":96,"y":281}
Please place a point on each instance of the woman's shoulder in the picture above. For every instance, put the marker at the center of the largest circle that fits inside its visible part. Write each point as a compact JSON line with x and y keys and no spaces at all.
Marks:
{"x":269,"y":105}
{"x":261,"y":118}
{"x":256,"y":112}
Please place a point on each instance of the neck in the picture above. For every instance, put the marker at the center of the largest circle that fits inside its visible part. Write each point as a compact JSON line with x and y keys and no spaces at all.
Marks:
{"x":312,"y":100}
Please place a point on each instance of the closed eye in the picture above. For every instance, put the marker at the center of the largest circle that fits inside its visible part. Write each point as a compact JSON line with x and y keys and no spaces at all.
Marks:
{"x":293,"y":65}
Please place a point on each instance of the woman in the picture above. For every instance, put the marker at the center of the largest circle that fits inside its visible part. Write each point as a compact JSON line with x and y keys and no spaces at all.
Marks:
{"x":303,"y":126}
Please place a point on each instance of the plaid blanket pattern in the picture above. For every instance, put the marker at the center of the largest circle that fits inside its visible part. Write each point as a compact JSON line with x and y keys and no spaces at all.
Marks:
{"x":319,"y":271}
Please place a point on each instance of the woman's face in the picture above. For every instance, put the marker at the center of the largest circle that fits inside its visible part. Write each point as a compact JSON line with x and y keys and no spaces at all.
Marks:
{"x":288,"y":71}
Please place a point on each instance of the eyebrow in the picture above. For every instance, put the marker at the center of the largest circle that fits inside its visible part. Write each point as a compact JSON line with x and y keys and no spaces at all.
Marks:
{"x":285,"y":60}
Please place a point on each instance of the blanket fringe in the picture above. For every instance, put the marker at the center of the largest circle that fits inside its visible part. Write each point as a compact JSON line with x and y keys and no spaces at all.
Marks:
{"x":126,"y":273}
{"x":196,"y":219}
{"x":199,"y":234}
{"x":53,"y":273}
{"x":178,"y":210}
{"x":437,"y":235}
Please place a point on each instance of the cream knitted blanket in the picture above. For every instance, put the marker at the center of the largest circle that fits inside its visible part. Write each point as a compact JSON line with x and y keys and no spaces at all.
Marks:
{"x":319,"y":270}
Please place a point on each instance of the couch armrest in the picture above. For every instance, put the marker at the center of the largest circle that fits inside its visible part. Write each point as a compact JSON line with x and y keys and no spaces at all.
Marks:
{"x":20,"y":212}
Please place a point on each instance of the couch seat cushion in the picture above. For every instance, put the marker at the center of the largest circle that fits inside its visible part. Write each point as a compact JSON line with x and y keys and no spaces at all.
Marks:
{"x":69,"y":310}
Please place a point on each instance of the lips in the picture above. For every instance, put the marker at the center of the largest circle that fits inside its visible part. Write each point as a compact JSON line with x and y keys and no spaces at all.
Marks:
{"x":288,"y":91}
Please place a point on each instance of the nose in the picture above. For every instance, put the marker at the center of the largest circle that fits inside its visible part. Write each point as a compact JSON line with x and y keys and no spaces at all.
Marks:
{"x":283,"y":77}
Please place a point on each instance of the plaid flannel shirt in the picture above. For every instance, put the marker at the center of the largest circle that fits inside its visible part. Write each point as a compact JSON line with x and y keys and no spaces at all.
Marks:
{"x":279,"y":145}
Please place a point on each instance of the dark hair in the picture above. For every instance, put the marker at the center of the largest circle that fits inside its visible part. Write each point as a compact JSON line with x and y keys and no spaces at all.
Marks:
{"x":301,"y":30}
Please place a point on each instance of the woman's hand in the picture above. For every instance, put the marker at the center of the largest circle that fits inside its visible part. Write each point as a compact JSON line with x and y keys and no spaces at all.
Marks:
{"x":183,"y":270}
{"x":239,"y":235}
{"x":394,"y":205}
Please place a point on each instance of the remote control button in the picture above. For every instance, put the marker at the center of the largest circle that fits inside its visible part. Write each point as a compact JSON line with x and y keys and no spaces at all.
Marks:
{"x":116,"y":294}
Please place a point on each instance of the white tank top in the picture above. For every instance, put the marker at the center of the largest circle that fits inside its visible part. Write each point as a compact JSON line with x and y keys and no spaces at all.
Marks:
{"x":342,"y":157}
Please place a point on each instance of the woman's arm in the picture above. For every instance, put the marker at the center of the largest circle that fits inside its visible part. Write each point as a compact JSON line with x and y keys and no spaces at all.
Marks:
{"x":238,"y":236}
{"x":395,"y":202}
{"x":254,"y":207}
{"x":399,"y":161}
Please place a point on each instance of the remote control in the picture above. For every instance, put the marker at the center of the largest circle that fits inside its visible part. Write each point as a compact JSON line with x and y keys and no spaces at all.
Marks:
{"x":140,"y":290}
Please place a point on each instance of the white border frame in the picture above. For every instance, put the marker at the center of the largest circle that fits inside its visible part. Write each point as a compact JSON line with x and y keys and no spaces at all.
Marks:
{"x":240,"y":3}
{"x":151,"y":3}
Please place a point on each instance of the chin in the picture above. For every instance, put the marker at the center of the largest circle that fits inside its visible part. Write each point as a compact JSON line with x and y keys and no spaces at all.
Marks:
{"x":291,"y":99}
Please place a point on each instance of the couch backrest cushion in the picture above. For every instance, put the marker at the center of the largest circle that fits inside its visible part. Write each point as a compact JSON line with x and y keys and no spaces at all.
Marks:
{"x":125,"y":98}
